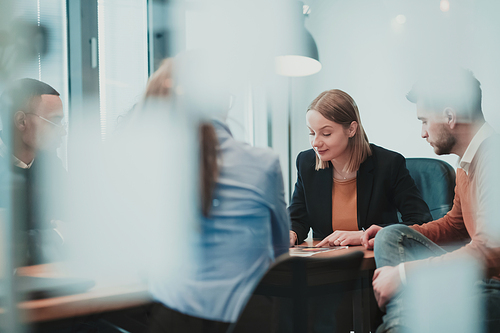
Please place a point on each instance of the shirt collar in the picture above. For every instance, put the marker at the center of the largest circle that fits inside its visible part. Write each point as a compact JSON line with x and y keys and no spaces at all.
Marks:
{"x":18,"y":163}
{"x":4,"y":152}
{"x":221,"y":126}
{"x":484,"y":132}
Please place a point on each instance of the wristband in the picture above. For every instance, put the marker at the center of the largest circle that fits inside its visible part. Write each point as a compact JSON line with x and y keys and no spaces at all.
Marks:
{"x":402,"y":273}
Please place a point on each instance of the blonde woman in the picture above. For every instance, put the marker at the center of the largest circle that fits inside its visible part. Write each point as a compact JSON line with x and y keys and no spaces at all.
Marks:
{"x":344,"y":183}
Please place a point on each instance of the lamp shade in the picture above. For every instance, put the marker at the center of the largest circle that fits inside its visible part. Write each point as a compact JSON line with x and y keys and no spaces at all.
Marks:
{"x":300,"y":57}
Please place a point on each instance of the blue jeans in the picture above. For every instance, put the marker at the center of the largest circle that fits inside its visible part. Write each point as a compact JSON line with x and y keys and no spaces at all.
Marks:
{"x":399,"y":243}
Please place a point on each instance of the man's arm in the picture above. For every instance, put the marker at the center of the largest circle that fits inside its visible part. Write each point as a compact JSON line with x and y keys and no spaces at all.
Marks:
{"x":449,"y":228}
{"x":484,"y":212}
{"x":368,"y":238}
{"x":386,"y":282}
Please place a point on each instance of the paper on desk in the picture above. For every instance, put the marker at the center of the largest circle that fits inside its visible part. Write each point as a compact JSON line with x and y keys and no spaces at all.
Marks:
{"x":307,"y":251}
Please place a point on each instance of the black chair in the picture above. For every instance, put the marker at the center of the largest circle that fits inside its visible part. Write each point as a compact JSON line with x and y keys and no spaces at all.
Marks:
{"x":435,"y":180}
{"x":299,"y":278}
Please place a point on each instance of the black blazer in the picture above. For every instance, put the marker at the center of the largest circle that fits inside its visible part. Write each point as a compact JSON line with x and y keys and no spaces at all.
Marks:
{"x":384,"y":187}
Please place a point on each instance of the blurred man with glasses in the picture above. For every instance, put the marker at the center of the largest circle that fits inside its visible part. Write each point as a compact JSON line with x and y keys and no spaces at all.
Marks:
{"x":31,"y":175}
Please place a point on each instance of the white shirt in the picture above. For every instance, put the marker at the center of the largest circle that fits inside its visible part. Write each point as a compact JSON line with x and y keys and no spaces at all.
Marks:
{"x":484,"y":132}
{"x":4,"y":151}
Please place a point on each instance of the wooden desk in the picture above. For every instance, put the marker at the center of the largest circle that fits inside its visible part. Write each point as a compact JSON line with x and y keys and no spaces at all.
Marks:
{"x":368,"y":261}
{"x":363,"y":311}
{"x":96,"y":300}
{"x":99,"y":300}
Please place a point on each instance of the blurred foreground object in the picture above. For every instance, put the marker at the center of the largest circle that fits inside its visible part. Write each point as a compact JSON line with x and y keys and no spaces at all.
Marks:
{"x":22,"y":42}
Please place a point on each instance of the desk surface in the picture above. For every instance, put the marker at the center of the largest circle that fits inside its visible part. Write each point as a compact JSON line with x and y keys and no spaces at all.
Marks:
{"x":99,"y":300}
{"x":96,"y":300}
{"x":368,"y":261}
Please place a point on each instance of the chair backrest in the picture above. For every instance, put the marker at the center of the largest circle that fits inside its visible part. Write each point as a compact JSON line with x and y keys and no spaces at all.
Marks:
{"x":436,"y":181}
{"x":299,"y":278}
{"x":313,"y":275}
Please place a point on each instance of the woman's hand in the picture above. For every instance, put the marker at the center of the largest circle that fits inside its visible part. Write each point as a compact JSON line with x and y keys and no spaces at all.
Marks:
{"x":341,"y":237}
{"x":293,"y":238}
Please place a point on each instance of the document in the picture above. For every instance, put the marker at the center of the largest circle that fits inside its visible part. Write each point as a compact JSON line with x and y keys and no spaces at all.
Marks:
{"x":306,"y":251}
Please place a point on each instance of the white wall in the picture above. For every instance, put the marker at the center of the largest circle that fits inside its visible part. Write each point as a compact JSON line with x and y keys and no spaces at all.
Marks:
{"x":123,"y":58}
{"x":364,"y":52}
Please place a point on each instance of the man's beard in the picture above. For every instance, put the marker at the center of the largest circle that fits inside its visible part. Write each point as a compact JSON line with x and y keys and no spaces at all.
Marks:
{"x":445,"y":142}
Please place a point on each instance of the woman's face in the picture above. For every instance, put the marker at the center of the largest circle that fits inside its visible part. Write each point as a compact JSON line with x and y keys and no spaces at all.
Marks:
{"x":328,"y":138}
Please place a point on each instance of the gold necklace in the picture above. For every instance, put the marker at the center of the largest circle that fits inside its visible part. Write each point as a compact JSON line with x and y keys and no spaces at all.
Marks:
{"x":335,"y":170}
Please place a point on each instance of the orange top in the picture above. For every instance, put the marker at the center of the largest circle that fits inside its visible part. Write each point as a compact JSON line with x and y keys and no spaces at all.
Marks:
{"x":344,"y":205}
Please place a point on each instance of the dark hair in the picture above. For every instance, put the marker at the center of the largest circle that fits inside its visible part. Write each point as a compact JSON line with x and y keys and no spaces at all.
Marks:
{"x":209,"y":147}
{"x":24,"y":95}
{"x":337,"y":106}
{"x":457,"y":88}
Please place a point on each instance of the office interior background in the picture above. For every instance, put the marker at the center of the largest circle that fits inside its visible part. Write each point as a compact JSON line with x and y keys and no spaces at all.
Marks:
{"x":100,"y":53}
{"x":374,"y":50}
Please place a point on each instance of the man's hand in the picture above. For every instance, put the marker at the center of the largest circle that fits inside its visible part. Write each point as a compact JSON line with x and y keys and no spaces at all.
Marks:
{"x":341,"y":237}
{"x":293,"y":238}
{"x":386,"y":282}
{"x":368,"y":238}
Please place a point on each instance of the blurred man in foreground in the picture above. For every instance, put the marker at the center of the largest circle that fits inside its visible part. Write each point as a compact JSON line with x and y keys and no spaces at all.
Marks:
{"x":449,"y":107}
{"x":30,"y":172}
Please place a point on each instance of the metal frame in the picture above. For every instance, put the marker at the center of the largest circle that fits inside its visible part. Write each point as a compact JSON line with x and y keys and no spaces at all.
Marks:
{"x":83,"y":71}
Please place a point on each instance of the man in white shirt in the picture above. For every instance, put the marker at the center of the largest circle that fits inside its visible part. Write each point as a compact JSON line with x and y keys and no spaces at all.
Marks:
{"x":449,"y":107}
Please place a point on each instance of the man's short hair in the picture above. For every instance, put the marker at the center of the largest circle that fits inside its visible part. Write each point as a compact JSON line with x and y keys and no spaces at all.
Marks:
{"x":23,"y":95}
{"x":449,"y":87}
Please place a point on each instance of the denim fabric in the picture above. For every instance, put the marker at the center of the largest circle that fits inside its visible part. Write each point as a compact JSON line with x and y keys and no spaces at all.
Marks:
{"x":398,"y":243}
{"x":393,"y":245}
{"x":247,"y":228}
{"x":490,"y":297}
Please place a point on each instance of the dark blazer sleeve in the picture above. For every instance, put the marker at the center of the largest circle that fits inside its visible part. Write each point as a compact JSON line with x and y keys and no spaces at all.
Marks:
{"x":386,"y":187}
{"x":407,"y":197}
{"x":298,"y":209}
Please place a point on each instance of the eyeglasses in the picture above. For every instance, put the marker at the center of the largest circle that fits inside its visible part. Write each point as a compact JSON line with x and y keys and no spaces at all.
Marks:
{"x":60,"y":126}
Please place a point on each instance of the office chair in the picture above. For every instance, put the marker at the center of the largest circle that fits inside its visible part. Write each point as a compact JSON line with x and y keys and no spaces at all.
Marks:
{"x":435,"y":180}
{"x":299,"y":278}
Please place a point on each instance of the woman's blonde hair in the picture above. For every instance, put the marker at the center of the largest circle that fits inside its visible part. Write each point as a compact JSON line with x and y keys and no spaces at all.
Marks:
{"x":337,"y":106}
